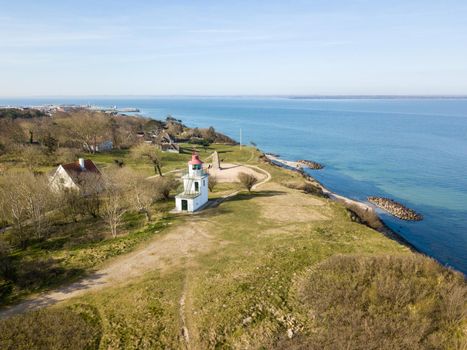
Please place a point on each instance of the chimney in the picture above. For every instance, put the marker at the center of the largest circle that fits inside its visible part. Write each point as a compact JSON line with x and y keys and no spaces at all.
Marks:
{"x":81,"y":164}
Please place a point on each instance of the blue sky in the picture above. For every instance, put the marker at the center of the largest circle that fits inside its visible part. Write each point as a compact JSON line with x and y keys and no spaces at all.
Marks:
{"x":232,"y":47}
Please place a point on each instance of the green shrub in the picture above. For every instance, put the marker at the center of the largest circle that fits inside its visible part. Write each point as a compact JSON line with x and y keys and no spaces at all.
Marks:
{"x":392,"y":302}
{"x":68,"y":328}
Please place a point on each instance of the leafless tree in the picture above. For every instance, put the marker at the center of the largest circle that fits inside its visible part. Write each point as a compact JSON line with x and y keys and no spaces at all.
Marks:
{"x":13,"y":206}
{"x":247,"y":180}
{"x":87,"y":128}
{"x":25,"y":201}
{"x":33,"y":156}
{"x":164,"y":186}
{"x":150,"y":153}
{"x":141,"y":192}
{"x":212,"y":182}
{"x":114,"y":204}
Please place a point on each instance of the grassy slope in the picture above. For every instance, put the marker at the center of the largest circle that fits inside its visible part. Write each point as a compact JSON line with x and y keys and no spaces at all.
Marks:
{"x":243,"y":292}
{"x":74,"y":249}
{"x":240,"y":294}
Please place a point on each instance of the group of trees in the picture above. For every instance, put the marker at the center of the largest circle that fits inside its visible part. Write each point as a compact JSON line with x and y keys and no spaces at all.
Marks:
{"x":30,"y":207}
{"x":48,"y":138}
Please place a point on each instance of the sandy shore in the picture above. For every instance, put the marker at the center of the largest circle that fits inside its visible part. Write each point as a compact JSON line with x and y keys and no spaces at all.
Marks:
{"x":365,"y":212}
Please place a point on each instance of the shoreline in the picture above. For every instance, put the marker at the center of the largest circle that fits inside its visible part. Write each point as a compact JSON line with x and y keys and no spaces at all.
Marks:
{"x":366,"y":213}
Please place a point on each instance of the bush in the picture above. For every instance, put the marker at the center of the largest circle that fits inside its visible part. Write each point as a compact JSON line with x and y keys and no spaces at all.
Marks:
{"x":391,"y":302}
{"x":306,"y":187}
{"x":70,"y":328}
{"x":247,"y":180}
{"x":313,"y":189}
{"x":164,"y":185}
{"x":212,"y":182}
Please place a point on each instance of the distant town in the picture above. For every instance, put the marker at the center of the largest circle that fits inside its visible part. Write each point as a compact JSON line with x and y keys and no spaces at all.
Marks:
{"x":50,"y":109}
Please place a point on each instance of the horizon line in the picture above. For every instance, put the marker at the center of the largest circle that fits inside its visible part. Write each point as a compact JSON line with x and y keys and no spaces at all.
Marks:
{"x":291,"y":96}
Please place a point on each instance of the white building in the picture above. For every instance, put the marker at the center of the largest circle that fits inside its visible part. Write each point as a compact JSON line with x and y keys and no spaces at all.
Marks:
{"x":76,"y":176}
{"x":101,"y":147}
{"x":195,"y":187}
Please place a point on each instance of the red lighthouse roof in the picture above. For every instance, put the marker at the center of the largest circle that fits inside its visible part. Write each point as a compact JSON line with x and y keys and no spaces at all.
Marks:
{"x":195,"y":159}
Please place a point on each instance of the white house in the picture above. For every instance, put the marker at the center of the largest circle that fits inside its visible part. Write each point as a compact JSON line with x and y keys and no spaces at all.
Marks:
{"x":75,"y":175}
{"x":101,"y":147}
{"x":195,"y":187}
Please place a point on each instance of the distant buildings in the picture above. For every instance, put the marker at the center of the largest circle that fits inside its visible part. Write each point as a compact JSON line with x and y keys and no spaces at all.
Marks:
{"x":161,"y":139}
{"x":100,"y":147}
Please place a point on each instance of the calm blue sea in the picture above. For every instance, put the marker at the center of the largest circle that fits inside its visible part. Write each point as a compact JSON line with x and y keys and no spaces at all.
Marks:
{"x":412,"y":150}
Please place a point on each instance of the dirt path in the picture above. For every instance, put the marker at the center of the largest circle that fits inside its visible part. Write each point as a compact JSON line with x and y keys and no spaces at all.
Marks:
{"x":182,"y":242}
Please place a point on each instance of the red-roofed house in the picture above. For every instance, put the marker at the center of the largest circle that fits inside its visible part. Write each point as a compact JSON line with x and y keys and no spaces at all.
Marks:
{"x":76,"y":175}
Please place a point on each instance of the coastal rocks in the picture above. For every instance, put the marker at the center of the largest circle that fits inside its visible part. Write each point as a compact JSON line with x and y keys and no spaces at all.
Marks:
{"x":310,"y":164}
{"x":396,"y":209}
{"x":275,"y":155}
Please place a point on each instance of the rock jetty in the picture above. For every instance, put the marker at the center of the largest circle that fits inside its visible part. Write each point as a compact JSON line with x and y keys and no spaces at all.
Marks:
{"x":396,"y":209}
{"x":310,"y":164}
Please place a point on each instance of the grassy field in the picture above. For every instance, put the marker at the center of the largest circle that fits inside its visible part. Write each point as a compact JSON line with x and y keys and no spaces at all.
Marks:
{"x":173,"y":161}
{"x":248,"y":287}
{"x":73,"y":249}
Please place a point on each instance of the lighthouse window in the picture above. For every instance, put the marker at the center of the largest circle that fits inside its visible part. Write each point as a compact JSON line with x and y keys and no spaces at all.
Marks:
{"x":204,"y":183}
{"x":196,"y":186}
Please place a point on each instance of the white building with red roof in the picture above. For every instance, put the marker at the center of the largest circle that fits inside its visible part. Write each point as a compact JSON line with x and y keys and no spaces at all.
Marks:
{"x":76,"y":176}
{"x":195,"y":187}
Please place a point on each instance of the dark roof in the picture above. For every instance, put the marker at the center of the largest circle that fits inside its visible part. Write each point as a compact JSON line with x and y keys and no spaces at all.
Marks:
{"x":74,"y":169}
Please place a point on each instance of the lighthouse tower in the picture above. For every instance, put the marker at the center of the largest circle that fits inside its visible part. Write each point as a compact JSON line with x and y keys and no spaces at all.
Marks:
{"x":195,"y":187}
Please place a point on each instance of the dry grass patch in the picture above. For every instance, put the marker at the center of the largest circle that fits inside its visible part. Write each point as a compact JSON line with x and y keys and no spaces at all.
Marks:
{"x":383,"y":302}
{"x":287,"y":205}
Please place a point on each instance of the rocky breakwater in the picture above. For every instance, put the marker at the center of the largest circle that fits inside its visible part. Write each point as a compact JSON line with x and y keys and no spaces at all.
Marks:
{"x":310,"y":164}
{"x":396,"y":209}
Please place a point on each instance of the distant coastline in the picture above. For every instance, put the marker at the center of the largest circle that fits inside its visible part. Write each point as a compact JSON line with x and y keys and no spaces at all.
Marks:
{"x":287,"y":96}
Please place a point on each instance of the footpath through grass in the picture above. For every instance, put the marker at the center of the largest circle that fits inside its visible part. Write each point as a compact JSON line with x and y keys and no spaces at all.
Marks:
{"x":251,"y":288}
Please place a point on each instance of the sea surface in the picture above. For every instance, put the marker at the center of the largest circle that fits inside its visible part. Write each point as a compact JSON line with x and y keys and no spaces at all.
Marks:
{"x":412,"y":150}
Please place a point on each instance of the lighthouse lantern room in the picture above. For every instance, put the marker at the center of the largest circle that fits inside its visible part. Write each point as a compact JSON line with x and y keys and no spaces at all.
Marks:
{"x":195,"y":187}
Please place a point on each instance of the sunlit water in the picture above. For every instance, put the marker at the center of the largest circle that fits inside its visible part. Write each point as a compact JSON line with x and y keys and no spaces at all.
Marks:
{"x":412,"y":150}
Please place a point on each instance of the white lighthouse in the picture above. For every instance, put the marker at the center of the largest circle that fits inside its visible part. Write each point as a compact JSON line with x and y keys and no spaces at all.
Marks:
{"x":195,"y":187}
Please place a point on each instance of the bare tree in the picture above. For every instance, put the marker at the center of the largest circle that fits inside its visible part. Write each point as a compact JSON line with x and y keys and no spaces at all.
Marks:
{"x":164,"y":186}
{"x":13,"y":206}
{"x":141,"y":192}
{"x":247,"y":180}
{"x":33,"y":156}
{"x":212,"y":182}
{"x":25,"y":201}
{"x":150,"y":153}
{"x":114,"y":203}
{"x":38,"y":203}
{"x":70,"y":203}
{"x":87,"y":128}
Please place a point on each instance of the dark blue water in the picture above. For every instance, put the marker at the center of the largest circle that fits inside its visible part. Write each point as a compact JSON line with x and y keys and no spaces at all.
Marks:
{"x":412,"y":150}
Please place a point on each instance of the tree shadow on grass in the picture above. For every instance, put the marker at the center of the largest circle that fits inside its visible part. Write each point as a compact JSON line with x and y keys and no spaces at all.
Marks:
{"x":242,"y":196}
{"x":255,"y":194}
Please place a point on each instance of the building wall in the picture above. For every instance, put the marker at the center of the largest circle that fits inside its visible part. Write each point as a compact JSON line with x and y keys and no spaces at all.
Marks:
{"x":62,"y":180}
{"x":197,"y":202}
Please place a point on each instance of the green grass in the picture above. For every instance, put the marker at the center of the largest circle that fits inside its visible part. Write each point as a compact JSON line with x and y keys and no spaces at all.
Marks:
{"x":73,"y":251}
{"x":173,"y":161}
{"x":241,"y":293}
{"x":245,"y":292}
